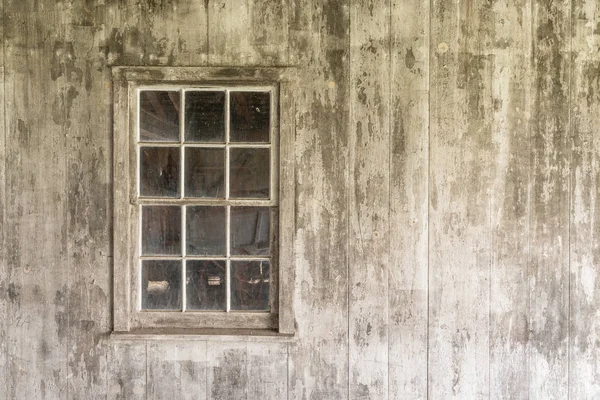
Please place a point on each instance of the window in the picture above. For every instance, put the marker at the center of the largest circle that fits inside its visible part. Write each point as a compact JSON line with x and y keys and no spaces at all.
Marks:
{"x":203,"y":222}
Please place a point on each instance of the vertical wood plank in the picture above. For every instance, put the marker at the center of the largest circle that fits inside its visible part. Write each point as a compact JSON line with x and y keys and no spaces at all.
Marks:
{"x":36,"y":213}
{"x":409,"y":147}
{"x":127,"y":371}
{"x":584,"y":359}
{"x":319,"y":38}
{"x":461,"y":151}
{"x":368,"y":238}
{"x":549,"y":238}
{"x":244,"y":32}
{"x":3,"y":262}
{"x":509,"y":285}
{"x":227,"y":373}
{"x":87,"y":196}
{"x":177,"y":370}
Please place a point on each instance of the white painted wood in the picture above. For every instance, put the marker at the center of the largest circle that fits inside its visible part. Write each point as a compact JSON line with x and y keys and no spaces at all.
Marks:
{"x":369,"y":202}
{"x":409,"y":162}
{"x":550,"y":182}
{"x":510,"y":201}
{"x":584,"y":255}
{"x":461,"y":164}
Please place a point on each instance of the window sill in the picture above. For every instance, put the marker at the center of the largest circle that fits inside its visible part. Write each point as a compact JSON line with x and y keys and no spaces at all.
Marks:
{"x":221,"y":335}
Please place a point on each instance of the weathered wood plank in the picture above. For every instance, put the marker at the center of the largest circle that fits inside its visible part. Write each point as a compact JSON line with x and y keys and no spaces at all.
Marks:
{"x":509,"y":285}
{"x":36,"y":212}
{"x":88,"y":223}
{"x":3,"y":262}
{"x":584,"y":304}
{"x":368,"y":239}
{"x":319,"y":37}
{"x":243,"y":32}
{"x":177,"y":370}
{"x":549,"y":238}
{"x":409,"y":146}
{"x":461,"y":151}
{"x":127,"y":376}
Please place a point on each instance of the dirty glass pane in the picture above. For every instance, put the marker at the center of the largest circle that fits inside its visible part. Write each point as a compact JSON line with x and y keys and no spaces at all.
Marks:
{"x":204,"y":116}
{"x":250,"y":227}
{"x":205,"y":227}
{"x":159,"y":116}
{"x":249,"y":173}
{"x":161,"y":285}
{"x":250,"y":116}
{"x":159,"y":171}
{"x":250,"y":285}
{"x":204,"y":172}
{"x":161,"y":230}
{"x":206,"y":285}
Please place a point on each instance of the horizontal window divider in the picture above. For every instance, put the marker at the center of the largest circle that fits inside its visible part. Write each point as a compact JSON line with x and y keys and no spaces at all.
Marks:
{"x":236,"y":145}
{"x":206,"y":258}
{"x":157,"y":201}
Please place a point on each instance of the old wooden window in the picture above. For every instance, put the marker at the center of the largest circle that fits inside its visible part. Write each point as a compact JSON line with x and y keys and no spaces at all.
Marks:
{"x":202,"y":216}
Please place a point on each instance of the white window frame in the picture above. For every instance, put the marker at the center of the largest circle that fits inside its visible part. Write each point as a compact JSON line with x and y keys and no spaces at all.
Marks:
{"x":128,"y":82}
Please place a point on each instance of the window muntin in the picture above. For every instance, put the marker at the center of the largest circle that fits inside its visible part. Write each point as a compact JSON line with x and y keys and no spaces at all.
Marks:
{"x":207,"y":199}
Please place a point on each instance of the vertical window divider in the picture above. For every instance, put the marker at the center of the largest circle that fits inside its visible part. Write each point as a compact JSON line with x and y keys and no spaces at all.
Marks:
{"x":182,"y":195}
{"x":228,"y":208}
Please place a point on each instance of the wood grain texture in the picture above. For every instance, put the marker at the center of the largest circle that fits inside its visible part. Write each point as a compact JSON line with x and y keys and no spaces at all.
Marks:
{"x":319,"y":39}
{"x":550,"y":182}
{"x":444,"y":178}
{"x":87,"y":199}
{"x":4,"y":298}
{"x":461,"y":151}
{"x":584,"y":255}
{"x":510,"y":203}
{"x":36,"y":243}
{"x":368,"y":204}
{"x":409,"y":161}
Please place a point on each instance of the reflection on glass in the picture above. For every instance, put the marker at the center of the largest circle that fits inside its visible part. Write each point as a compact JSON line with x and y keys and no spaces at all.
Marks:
{"x":250,"y":285}
{"x":161,"y":230}
{"x":250,"y":116}
{"x":206,"y":285}
{"x":249,"y":173}
{"x":204,"y":116}
{"x":161,"y":285}
{"x":159,"y":116}
{"x":250,"y":227}
{"x":205,"y":229}
{"x":159,"y":171}
{"x":204,"y":172}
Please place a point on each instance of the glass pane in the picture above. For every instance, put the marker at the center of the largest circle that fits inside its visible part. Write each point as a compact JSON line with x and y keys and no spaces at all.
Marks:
{"x":205,"y":116}
{"x":161,"y":285}
{"x":206,"y":285}
{"x":161,"y":230}
{"x":204,"y":172}
{"x":250,"y":227}
{"x":250,"y":116}
{"x":159,"y":171}
{"x":249,"y":173}
{"x":250,"y":285}
{"x":205,"y":227}
{"x":159,"y":116}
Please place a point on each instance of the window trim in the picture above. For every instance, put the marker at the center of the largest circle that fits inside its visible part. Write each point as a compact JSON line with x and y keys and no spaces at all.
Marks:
{"x":126,"y":83}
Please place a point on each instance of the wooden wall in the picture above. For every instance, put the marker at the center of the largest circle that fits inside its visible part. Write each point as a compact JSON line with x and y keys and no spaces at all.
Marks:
{"x":447,"y":238}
